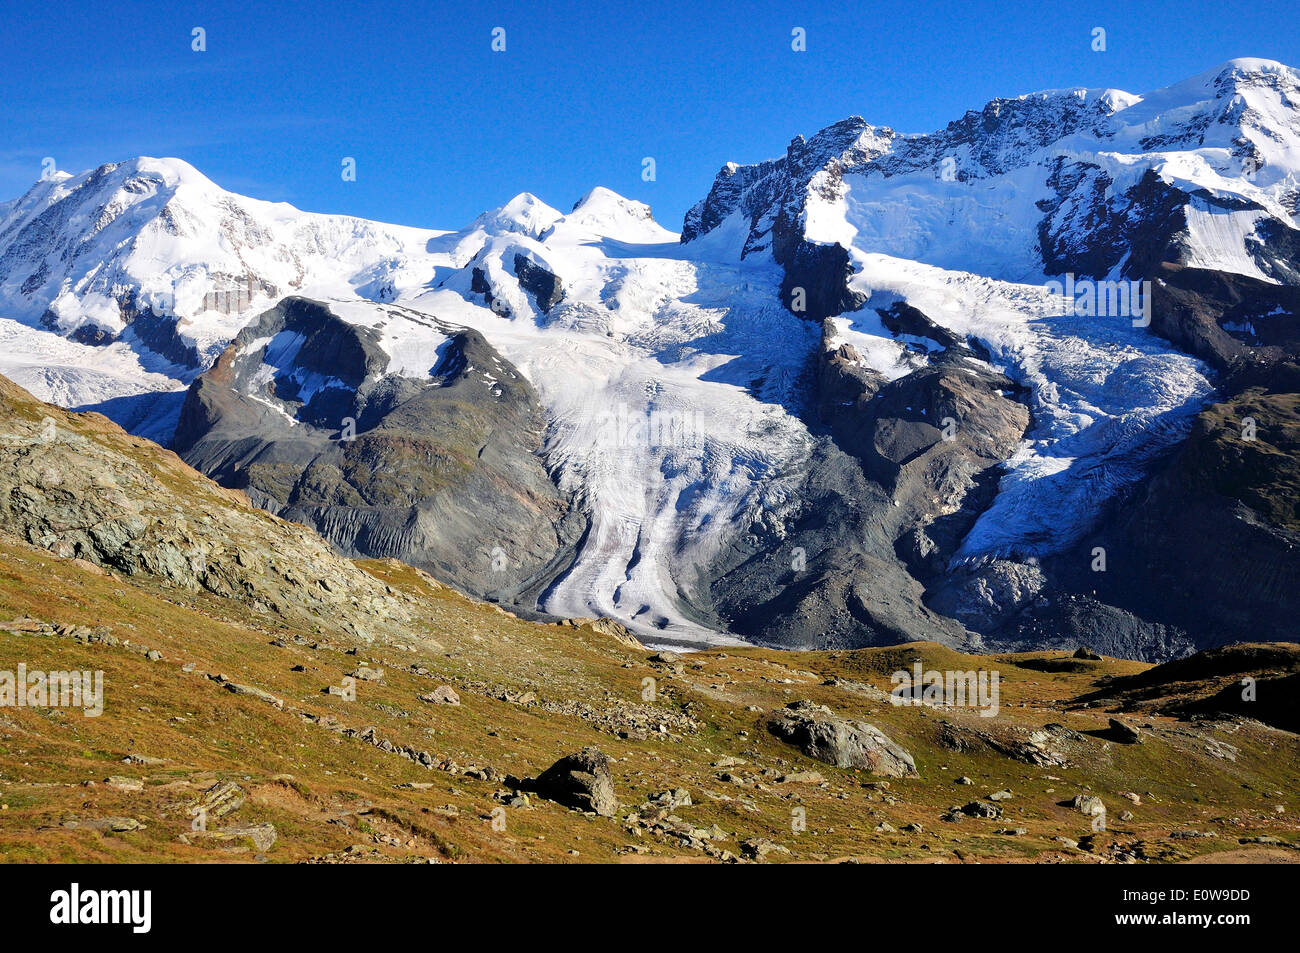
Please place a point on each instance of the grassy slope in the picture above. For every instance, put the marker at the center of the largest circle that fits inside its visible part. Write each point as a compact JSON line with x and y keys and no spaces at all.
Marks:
{"x":344,"y":792}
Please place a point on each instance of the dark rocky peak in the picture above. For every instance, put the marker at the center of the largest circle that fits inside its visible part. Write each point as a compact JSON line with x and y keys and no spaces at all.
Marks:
{"x":306,"y":335}
{"x":1006,"y":134}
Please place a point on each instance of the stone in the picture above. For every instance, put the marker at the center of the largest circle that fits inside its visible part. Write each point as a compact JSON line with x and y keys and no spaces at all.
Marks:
{"x":254,"y":692}
{"x":224,"y":797}
{"x":1088,"y":804}
{"x":260,"y":837}
{"x":582,"y":781}
{"x":757,"y":848}
{"x":801,"y":777}
{"x":442,"y":695}
{"x":126,"y":785}
{"x":671,"y":800}
{"x":817,"y":732}
{"x":1125,"y":734}
{"x":982,"y":809}
{"x":116,"y":825}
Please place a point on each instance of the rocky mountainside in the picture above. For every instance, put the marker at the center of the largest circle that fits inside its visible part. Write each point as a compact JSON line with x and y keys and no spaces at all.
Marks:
{"x":1085,"y":181}
{"x":904,"y":246}
{"x":265,"y":700}
{"x":81,"y":489}
{"x":429,"y":454}
{"x":958,"y":386}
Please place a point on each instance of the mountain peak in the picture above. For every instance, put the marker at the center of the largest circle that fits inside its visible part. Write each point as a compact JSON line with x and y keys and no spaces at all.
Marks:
{"x":604,"y":212}
{"x":602,"y":198}
{"x":525,"y":213}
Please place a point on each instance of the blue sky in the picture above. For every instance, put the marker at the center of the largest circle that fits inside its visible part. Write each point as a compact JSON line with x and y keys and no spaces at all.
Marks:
{"x":442,"y":127}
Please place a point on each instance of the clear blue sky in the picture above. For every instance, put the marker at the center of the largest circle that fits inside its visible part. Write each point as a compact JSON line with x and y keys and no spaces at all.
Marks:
{"x":442,"y":127}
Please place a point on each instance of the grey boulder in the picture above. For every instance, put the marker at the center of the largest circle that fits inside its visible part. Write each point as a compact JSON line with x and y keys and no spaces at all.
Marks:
{"x":817,"y":732}
{"x":581,"y":781}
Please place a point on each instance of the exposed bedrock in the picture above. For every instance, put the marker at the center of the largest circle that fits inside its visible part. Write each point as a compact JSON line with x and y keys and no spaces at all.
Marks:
{"x":822,"y":573}
{"x":444,"y":472}
{"x":1227,"y":320}
{"x":546,"y":288}
{"x":1212,"y":544}
{"x":816,"y":281}
{"x":903,"y":471}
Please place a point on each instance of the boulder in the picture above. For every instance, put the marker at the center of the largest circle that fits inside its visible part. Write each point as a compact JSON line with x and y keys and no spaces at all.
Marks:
{"x":757,"y":848}
{"x":1124,"y":734}
{"x":442,"y":695}
{"x":982,"y":809}
{"x":1088,"y":804}
{"x":819,"y":733}
{"x":581,"y":781}
{"x":260,"y":837}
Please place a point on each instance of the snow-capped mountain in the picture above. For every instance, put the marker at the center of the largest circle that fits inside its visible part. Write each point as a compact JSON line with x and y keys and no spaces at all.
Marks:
{"x":1053,"y":182}
{"x":883,"y":387}
{"x":86,"y":255}
{"x":157,"y":268}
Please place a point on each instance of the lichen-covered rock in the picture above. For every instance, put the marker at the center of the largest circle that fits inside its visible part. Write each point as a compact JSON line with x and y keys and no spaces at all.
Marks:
{"x":442,"y":695}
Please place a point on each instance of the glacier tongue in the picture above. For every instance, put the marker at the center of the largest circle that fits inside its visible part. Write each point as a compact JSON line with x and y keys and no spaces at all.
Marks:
{"x":672,"y":386}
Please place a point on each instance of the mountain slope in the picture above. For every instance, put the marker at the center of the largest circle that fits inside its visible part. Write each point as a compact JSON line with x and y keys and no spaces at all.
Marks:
{"x":392,"y":434}
{"x":218,"y":743}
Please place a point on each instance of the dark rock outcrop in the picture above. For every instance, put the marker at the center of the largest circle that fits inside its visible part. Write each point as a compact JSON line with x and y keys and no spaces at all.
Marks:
{"x":1211,"y":545}
{"x":547,"y":289}
{"x":1226,"y":320}
{"x":582,"y":781}
{"x":444,"y":473}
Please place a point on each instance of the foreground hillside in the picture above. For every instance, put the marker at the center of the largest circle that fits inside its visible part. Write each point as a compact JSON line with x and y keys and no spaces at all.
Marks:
{"x":230,"y":731}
